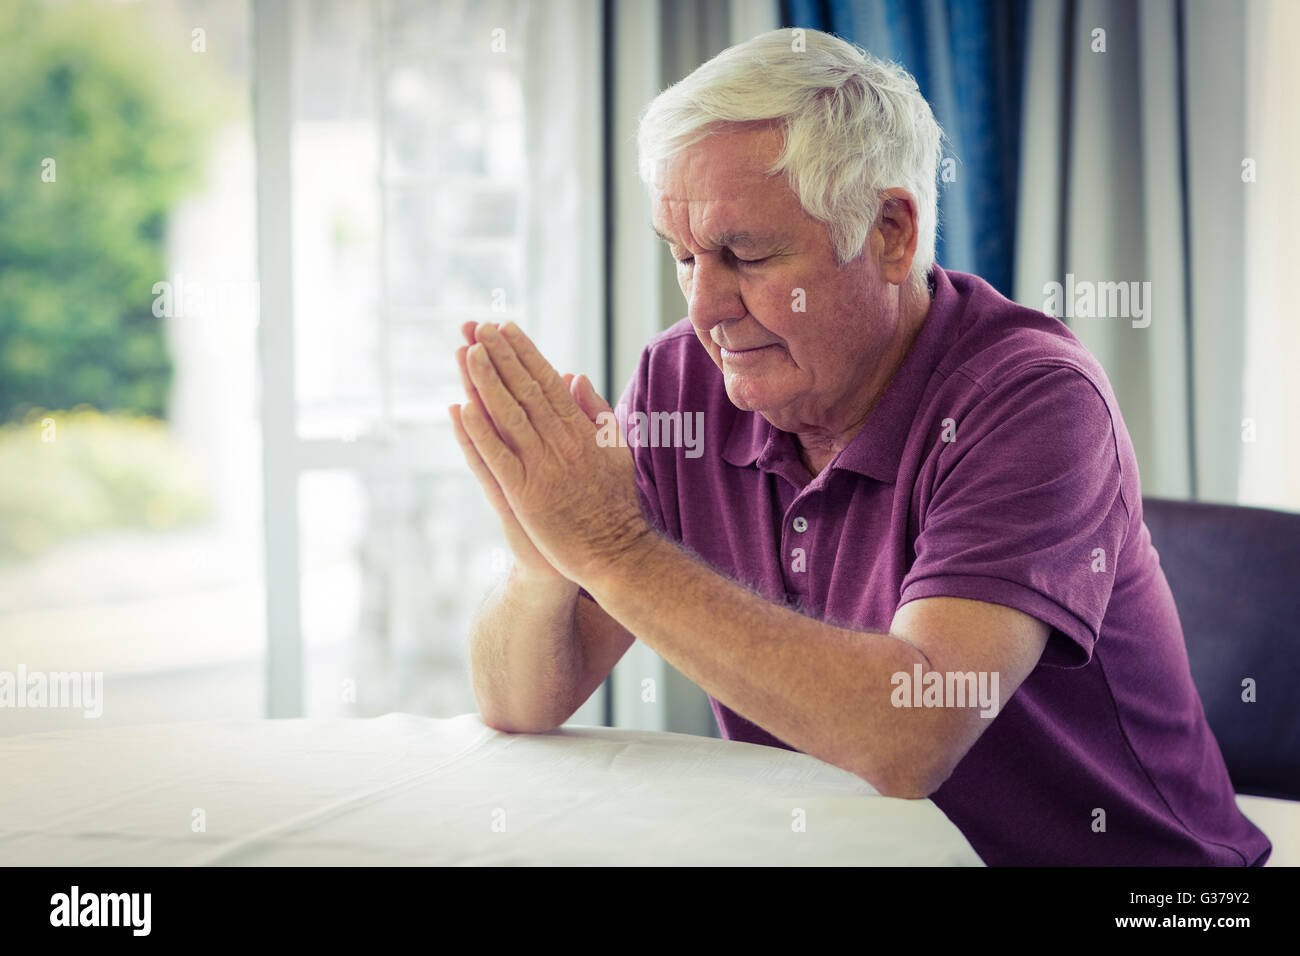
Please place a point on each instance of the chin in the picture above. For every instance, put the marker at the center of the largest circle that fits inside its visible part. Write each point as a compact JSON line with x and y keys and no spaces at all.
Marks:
{"x":748,"y":399}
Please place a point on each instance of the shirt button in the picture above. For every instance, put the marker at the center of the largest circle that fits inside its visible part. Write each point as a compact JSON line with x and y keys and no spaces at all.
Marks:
{"x":800,"y":524}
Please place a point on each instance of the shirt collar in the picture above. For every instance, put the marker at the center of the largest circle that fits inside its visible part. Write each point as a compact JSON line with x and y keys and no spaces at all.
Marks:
{"x":878,"y":448}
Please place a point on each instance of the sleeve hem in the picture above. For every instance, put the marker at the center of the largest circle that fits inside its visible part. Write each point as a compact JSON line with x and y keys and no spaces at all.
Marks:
{"x":1074,"y":651}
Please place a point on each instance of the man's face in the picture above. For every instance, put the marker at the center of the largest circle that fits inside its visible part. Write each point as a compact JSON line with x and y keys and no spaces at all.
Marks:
{"x":748,"y":257}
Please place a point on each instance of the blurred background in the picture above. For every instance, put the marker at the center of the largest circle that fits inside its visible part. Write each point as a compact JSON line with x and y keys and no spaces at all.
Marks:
{"x":237,"y":240}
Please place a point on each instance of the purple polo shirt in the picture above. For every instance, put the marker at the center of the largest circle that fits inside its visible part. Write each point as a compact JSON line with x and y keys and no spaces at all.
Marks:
{"x":995,"y":467}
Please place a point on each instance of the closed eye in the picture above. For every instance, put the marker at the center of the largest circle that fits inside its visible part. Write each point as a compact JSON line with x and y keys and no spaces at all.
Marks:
{"x":749,"y":262}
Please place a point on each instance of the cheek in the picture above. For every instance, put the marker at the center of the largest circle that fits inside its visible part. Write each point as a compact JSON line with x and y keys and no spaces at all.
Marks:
{"x":778,"y":302}
{"x":706,"y":342}
{"x":793,"y":306}
{"x":815,"y":317}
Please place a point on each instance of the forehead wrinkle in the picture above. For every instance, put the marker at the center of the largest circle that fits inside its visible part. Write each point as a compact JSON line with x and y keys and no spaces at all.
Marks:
{"x":729,"y":238}
{"x":717,"y":174}
{"x":743,"y":240}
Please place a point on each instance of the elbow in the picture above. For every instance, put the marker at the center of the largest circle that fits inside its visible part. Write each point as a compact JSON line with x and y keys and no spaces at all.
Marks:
{"x":499,"y":711}
{"x":916,"y":779}
{"x":505,"y":725}
{"x":905,"y":789}
{"x":503,"y":721}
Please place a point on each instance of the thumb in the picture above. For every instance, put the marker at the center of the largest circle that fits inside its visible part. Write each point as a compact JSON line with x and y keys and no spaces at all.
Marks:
{"x":588,"y":399}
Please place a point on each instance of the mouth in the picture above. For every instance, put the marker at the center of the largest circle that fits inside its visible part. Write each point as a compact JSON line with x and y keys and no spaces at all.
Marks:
{"x":744,"y":353}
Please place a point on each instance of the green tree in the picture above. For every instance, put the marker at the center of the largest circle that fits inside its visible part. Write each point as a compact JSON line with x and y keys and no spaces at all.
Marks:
{"x":90,"y":87}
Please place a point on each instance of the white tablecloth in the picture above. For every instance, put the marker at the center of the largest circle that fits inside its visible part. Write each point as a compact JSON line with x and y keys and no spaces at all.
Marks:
{"x":401,"y":789}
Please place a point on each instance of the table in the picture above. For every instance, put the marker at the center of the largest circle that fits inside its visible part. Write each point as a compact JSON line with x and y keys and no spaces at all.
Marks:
{"x":407,"y":790}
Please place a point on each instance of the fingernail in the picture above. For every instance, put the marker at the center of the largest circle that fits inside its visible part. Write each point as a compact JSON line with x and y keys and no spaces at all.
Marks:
{"x":479,"y":354}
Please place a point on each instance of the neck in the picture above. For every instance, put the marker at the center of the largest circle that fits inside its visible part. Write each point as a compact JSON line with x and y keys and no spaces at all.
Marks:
{"x":819,"y":448}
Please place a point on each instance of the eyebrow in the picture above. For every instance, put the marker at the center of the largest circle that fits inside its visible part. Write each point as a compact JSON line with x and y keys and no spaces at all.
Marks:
{"x":731,"y":240}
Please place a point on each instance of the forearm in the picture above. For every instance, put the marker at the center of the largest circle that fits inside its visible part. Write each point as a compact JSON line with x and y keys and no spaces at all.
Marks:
{"x":822,"y":689}
{"x":526,"y":658}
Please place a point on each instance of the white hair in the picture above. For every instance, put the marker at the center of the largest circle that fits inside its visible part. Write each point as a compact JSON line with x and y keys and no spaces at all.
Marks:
{"x":853,"y":126}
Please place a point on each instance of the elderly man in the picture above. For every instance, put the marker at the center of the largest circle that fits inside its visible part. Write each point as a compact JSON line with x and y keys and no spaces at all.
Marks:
{"x":913,"y":544}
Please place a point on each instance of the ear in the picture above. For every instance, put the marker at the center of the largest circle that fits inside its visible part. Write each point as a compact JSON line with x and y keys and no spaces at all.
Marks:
{"x":893,"y":241}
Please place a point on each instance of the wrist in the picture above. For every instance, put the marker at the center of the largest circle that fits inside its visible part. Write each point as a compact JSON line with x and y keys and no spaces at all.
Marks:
{"x":540,"y":585}
{"x":625,"y":563}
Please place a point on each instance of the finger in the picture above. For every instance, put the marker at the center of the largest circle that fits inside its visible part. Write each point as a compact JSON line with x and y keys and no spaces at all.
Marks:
{"x":491,"y":487}
{"x":572,"y":383}
{"x":467,"y":330}
{"x":596,"y":408}
{"x":503,"y":411}
{"x":525,"y":388}
{"x":470,"y":391}
{"x":553,"y":386}
{"x":500,"y":460}
{"x":588,"y":399}
{"x":575,"y":391}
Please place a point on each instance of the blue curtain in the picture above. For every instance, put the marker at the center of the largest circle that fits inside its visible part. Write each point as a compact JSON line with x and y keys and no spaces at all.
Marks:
{"x":967,"y":57}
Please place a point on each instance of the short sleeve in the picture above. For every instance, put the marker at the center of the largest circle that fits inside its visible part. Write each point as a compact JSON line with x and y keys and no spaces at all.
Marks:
{"x":1025,"y":508}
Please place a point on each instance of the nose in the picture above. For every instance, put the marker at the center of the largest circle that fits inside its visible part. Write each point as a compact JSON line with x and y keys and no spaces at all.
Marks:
{"x":714,"y":292}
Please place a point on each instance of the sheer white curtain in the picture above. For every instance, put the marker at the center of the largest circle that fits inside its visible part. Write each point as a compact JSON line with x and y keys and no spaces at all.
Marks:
{"x":1161,"y":154}
{"x":445,"y":164}
{"x":656,"y":43}
{"x":564,"y":212}
{"x":564,"y":260}
{"x":1271,"y":389}
{"x":1131,"y":163}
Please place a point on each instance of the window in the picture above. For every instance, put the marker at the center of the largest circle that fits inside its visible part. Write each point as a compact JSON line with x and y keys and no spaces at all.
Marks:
{"x":276,"y":519}
{"x":130,"y":497}
{"x":415,"y":207}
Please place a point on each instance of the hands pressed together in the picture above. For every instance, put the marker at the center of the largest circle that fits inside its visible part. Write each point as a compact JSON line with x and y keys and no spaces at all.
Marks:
{"x":568,"y":505}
